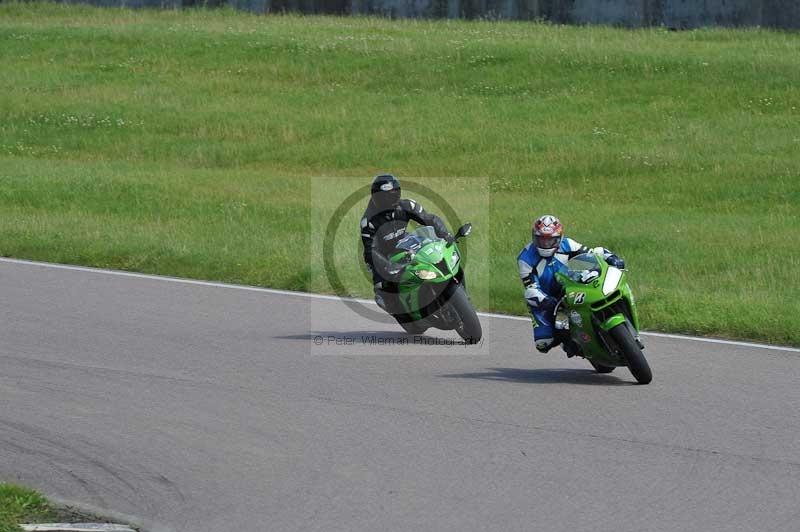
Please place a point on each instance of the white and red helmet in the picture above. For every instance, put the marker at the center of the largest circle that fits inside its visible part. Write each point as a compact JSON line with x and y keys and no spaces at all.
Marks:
{"x":547,"y":234}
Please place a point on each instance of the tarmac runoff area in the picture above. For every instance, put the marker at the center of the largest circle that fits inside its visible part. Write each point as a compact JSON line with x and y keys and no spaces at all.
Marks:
{"x":201,"y":407}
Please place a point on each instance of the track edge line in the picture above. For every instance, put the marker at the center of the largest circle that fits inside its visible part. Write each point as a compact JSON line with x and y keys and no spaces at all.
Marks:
{"x":310,"y":295}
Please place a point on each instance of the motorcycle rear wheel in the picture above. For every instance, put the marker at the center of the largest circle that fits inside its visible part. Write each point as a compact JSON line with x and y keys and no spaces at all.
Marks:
{"x":637,"y":364}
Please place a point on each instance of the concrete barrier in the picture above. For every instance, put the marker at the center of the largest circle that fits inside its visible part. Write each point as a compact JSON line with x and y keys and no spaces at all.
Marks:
{"x":163,"y":4}
{"x":615,"y":12}
{"x":683,"y":14}
{"x":678,"y":14}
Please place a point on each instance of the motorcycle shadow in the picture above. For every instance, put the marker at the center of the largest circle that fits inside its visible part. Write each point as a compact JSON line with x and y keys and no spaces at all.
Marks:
{"x":370,"y":337}
{"x":545,"y":376}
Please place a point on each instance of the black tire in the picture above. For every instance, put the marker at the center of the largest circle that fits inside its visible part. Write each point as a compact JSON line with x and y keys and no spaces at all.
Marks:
{"x":600,"y":368}
{"x":632,"y":353}
{"x":413,"y":327}
{"x":470,"y":327}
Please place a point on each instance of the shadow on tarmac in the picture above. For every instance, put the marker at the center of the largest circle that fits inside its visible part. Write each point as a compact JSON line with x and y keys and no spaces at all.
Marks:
{"x":371,"y":337}
{"x":545,"y":376}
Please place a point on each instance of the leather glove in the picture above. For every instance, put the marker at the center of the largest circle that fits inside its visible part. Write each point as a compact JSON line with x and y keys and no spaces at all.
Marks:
{"x":395,"y":270}
{"x":449,"y":238}
{"x":616,"y":262}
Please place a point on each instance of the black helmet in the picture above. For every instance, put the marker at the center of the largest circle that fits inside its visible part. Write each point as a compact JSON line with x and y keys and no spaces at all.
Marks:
{"x":385,"y":191}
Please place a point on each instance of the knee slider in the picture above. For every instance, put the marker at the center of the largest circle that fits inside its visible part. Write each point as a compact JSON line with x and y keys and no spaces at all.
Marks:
{"x":379,"y":300}
{"x":544,"y":344}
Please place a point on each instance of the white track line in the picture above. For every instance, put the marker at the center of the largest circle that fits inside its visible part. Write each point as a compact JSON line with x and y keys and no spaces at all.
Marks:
{"x":721,"y":341}
{"x":336,"y":298}
{"x":76,"y":527}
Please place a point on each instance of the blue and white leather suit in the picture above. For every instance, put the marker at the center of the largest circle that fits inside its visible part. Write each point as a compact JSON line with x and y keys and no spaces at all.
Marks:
{"x":538,"y":274}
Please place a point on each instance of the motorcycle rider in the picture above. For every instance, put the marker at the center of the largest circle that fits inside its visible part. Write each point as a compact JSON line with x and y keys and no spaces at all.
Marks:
{"x":382,"y":227}
{"x":547,"y":253}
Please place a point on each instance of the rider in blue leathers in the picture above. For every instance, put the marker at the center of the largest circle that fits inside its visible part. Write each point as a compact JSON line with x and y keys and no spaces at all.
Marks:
{"x":547,"y":253}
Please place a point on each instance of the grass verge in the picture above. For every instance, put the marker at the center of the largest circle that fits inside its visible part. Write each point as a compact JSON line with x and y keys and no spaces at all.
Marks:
{"x":189,"y":143}
{"x":22,"y":505}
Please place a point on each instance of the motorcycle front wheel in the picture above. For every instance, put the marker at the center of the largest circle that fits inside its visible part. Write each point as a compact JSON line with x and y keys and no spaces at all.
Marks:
{"x":469,"y":327}
{"x":632,"y":353}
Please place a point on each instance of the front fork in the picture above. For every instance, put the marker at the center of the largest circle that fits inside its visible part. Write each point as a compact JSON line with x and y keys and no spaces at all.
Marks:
{"x":610,"y":323}
{"x":411,"y":299}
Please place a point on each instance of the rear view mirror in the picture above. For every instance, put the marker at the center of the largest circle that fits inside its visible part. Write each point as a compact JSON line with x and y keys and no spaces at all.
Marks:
{"x":464,"y":230}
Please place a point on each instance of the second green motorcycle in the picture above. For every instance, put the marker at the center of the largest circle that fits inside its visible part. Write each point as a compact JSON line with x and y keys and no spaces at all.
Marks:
{"x":432,"y":289}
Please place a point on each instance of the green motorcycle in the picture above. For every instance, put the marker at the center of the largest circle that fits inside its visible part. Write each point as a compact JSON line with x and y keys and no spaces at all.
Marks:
{"x":431,"y":288}
{"x":598,"y":316}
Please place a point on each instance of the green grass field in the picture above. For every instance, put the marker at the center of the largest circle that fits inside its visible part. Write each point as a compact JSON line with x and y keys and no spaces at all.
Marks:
{"x":195,"y":143}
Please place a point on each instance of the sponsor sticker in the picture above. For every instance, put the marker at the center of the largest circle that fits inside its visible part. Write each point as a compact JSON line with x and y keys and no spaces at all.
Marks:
{"x":575,"y":318}
{"x":396,"y":234}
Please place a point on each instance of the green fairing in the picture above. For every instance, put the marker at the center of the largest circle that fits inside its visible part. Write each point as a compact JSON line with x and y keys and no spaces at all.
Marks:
{"x":613,"y":321}
{"x":592,"y":315}
{"x":427,"y":258}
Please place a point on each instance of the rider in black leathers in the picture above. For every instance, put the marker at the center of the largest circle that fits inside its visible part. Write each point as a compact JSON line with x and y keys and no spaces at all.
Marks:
{"x":382,"y":227}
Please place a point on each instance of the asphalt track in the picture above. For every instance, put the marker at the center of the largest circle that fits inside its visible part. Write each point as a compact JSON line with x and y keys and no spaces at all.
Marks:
{"x":209,"y":409}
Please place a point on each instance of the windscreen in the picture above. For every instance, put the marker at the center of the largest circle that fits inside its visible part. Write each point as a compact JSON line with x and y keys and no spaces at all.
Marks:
{"x":419,"y":238}
{"x":583,"y":268}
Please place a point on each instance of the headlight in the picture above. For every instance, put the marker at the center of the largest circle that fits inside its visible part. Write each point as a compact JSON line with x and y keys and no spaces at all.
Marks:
{"x":426,"y":275}
{"x":613,"y":277}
